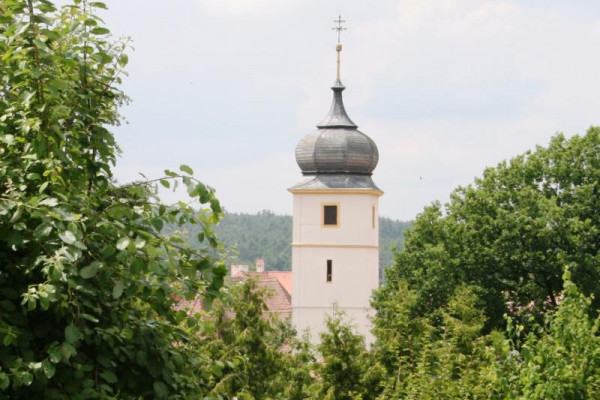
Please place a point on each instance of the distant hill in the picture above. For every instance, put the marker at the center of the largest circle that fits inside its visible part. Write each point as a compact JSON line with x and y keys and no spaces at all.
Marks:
{"x":266,"y":235}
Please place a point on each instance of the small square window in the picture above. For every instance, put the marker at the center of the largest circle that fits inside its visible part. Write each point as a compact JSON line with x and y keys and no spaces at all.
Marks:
{"x":330,"y":215}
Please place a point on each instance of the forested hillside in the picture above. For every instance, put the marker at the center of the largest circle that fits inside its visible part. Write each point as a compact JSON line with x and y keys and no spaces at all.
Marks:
{"x":262,"y":235}
{"x":266,"y":235}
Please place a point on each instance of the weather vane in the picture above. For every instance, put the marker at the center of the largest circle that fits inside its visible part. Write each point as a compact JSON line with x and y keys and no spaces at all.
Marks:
{"x":339,"y":28}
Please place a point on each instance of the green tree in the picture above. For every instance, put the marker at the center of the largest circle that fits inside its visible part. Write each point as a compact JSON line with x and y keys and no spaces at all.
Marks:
{"x":345,"y":370}
{"x":560,"y":360}
{"x":401,"y":333}
{"x":451,"y":361}
{"x":252,"y":349}
{"x":510,"y":233}
{"x":87,"y":282}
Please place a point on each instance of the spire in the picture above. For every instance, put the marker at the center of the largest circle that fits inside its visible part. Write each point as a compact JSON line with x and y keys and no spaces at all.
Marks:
{"x":337,"y":116}
{"x":338,"y":48}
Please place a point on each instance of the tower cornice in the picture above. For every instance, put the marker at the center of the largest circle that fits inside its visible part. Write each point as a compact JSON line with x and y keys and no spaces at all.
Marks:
{"x":373,"y":192}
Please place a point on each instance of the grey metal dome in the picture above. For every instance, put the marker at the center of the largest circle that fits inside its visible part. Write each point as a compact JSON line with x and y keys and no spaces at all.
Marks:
{"x":337,"y":146}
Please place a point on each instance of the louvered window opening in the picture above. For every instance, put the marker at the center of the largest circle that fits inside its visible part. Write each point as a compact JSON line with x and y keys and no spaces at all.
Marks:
{"x":330,"y":216}
{"x":329,"y":270}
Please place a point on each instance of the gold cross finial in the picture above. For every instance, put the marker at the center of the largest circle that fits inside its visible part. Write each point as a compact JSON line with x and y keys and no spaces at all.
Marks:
{"x":339,"y":28}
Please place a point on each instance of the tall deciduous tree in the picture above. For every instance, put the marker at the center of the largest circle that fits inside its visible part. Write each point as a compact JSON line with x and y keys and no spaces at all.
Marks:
{"x":87,"y":281}
{"x":510,"y":234}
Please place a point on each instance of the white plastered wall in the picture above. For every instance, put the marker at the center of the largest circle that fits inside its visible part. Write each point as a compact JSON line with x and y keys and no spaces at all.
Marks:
{"x":353,"y":247}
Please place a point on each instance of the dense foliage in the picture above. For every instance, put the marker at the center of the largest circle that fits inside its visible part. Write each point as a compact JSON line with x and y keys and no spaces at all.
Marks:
{"x":257,"y":356}
{"x":87,"y":284}
{"x":266,"y":235}
{"x":510,"y":234}
{"x":90,"y":283}
{"x":558,"y":359}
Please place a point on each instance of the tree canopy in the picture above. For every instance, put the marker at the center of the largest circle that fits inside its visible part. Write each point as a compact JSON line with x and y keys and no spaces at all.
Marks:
{"x":511,"y":234}
{"x":87,"y":282}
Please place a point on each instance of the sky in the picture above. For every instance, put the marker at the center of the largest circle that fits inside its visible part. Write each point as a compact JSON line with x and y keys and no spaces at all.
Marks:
{"x":445,"y":88}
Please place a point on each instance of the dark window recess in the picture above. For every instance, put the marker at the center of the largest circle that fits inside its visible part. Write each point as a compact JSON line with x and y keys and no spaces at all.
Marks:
{"x":330,"y":215}
{"x":329,"y":270}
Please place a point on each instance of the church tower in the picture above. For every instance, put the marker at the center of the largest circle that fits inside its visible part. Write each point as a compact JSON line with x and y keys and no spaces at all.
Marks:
{"x":335,"y":239}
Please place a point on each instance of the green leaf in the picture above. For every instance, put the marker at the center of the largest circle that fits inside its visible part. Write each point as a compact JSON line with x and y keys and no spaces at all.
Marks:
{"x":123,"y":60}
{"x":58,"y":84}
{"x":108,"y":376}
{"x":43,"y":187}
{"x":157,"y":223}
{"x":4,"y":381}
{"x":215,"y":206}
{"x":108,"y":251}
{"x":90,"y":270}
{"x":98,"y":4}
{"x":100,"y":31}
{"x":72,"y":334}
{"x":50,"y":202}
{"x":67,"y":350}
{"x":123,"y":243}
{"x":55,"y":354}
{"x":217,"y":370}
{"x":26,"y":378}
{"x":21,"y":28}
{"x":16,"y":215}
{"x":165,"y":183}
{"x":118,"y":289}
{"x":61,"y":112}
{"x":68,"y":237}
{"x":42,"y":231}
{"x":127,"y":333}
{"x":89,"y":317}
{"x":160,"y":389}
{"x":8,"y":339}
{"x":186,"y":169}
{"x":48,"y":368}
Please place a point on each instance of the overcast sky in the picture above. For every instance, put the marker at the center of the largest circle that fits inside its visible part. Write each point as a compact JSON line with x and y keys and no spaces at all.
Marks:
{"x":444,"y":87}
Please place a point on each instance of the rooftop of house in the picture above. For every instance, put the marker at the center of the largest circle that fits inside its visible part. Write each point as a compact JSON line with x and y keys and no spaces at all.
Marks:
{"x":278,"y":286}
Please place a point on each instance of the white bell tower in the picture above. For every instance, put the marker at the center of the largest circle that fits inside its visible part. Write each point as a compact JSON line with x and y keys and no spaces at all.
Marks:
{"x":335,"y":239}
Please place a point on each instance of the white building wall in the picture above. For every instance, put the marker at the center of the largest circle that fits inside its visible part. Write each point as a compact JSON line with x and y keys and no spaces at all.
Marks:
{"x":353,"y":248}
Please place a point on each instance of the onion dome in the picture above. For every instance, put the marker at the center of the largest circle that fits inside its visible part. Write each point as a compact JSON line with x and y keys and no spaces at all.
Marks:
{"x":337,"y":155}
{"x":337,"y":146}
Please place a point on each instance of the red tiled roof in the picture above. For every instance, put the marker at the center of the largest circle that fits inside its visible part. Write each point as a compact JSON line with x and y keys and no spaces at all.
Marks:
{"x":278,"y":285}
{"x":278,"y":300}
{"x":284,"y":278}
